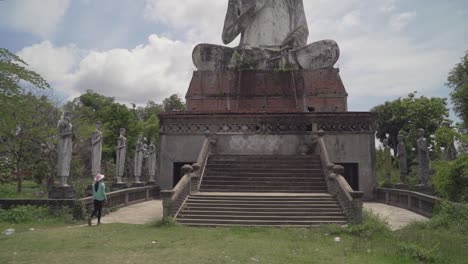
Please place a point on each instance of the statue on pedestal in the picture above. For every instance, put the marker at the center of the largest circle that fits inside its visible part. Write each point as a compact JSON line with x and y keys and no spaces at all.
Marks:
{"x":387,"y":158}
{"x":423,"y":157}
{"x":152,"y":161}
{"x":64,"y":149}
{"x":96,"y":154}
{"x":139,"y":155}
{"x":121,"y":152}
{"x":402,"y":159}
{"x":273,"y":35}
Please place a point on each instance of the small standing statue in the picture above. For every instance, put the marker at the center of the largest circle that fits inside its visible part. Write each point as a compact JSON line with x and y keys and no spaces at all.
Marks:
{"x":387,"y":161}
{"x":139,"y":154}
{"x":64,"y":149}
{"x":152,"y":162}
{"x":423,"y":156}
{"x":96,"y":144}
{"x":450,"y":149}
{"x":121,"y":152}
{"x":401,"y":148}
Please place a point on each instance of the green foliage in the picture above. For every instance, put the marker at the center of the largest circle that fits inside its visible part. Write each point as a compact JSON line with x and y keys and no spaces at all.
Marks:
{"x":371,"y":226}
{"x":447,"y":215}
{"x":458,"y":82}
{"x":13,"y":72}
{"x":173,"y":103}
{"x":24,"y":214}
{"x":426,"y":255}
{"x":451,"y":179}
{"x":165,"y":222}
{"x":407,"y":115}
{"x":5,"y":170}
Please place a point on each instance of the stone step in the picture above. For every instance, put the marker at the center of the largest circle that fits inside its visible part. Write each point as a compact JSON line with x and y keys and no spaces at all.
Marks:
{"x":219,"y":225}
{"x":264,"y":174}
{"x":260,"y":205}
{"x":241,"y":208}
{"x":260,"y":198}
{"x":263,"y":166}
{"x":290,"y":171}
{"x":265,"y":201}
{"x":264,"y":157}
{"x":263,"y":217}
{"x":266,"y":187}
{"x":265,"y":182}
{"x":271,"y":211}
{"x":256,"y":190}
{"x":246,"y":222}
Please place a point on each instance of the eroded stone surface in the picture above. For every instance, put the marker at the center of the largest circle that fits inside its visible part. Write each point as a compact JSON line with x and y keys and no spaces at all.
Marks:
{"x":397,"y":218}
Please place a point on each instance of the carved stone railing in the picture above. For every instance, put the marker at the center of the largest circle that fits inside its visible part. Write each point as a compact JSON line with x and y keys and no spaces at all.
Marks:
{"x":115,"y":200}
{"x":419,"y":203}
{"x":190,"y":182}
{"x":350,"y":200}
{"x":126,"y":197}
{"x":199,"y":167}
{"x":175,"y":198}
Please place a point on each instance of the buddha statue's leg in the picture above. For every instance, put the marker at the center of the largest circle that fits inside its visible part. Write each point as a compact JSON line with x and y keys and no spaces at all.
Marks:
{"x":207,"y":57}
{"x":321,"y":54}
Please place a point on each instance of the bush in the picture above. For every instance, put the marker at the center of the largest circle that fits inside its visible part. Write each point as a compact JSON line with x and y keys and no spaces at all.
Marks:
{"x":165,"y":222}
{"x":418,"y":253}
{"x":372,"y":225}
{"x":451,"y":179}
{"x":25,"y":214}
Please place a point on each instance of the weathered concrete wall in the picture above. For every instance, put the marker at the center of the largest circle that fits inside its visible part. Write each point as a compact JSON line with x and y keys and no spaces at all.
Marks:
{"x":355,"y":148}
{"x":259,"y":144}
{"x":176,"y":148}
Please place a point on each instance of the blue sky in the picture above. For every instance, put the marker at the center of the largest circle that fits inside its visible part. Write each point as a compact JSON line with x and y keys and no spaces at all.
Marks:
{"x":140,"y":50}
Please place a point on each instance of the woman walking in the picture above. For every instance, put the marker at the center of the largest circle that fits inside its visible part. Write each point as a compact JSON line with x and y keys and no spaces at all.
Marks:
{"x":99,"y":196}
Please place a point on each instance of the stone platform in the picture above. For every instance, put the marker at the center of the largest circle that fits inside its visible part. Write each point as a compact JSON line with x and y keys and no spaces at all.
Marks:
{"x":349,"y":137}
{"x":319,"y":90}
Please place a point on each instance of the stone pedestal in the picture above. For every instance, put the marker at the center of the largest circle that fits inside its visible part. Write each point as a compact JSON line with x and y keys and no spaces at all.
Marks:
{"x":319,"y":90}
{"x":118,"y":186}
{"x":59,"y":192}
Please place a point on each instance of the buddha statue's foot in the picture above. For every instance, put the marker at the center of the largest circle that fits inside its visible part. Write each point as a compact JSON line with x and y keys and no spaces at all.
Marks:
{"x":317,"y":55}
{"x":207,"y":57}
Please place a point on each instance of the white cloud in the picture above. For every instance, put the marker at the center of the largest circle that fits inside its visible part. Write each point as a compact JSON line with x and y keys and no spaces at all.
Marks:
{"x":148,"y":72}
{"x":400,"y":21}
{"x":37,"y":17}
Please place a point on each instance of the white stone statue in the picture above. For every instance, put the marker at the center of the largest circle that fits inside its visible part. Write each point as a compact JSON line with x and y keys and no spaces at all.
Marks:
{"x":273,"y":35}
{"x":423,"y":157}
{"x":64,"y":149}
{"x":121,"y":152}
{"x":139,"y":155}
{"x":402,"y":162}
{"x":152,"y":161}
{"x":96,"y":154}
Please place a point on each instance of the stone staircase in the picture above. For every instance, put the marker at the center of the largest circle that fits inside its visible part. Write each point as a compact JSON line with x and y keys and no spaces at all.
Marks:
{"x":262,"y":191}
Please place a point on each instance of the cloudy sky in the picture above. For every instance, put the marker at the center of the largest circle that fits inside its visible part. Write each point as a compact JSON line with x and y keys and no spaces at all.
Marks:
{"x":140,"y":50}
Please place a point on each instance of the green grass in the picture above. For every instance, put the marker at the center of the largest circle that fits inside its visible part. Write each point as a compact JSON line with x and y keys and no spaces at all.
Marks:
{"x":166,"y":242}
{"x":30,"y":190}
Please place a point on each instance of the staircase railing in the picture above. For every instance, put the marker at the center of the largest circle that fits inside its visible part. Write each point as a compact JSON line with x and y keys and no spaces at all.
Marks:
{"x":350,"y":200}
{"x":206,"y":150}
{"x":174,"y":199}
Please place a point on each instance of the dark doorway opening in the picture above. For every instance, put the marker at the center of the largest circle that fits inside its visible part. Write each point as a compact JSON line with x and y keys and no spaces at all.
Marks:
{"x":311,"y":109}
{"x":177,"y":174}
{"x":351,"y":174}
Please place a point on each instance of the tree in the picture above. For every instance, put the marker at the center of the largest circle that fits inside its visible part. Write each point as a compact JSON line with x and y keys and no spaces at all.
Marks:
{"x":407,"y":115}
{"x":173,"y":103}
{"x":28,"y":131}
{"x":458,"y":82}
{"x":13,"y":73}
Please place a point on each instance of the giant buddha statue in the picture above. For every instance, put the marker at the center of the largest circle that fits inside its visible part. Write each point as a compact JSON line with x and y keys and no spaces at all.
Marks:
{"x":273,"y":35}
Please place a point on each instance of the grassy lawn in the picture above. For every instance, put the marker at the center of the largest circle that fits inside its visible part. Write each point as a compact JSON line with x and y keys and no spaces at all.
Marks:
{"x":30,"y":190}
{"x":51,"y":242}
